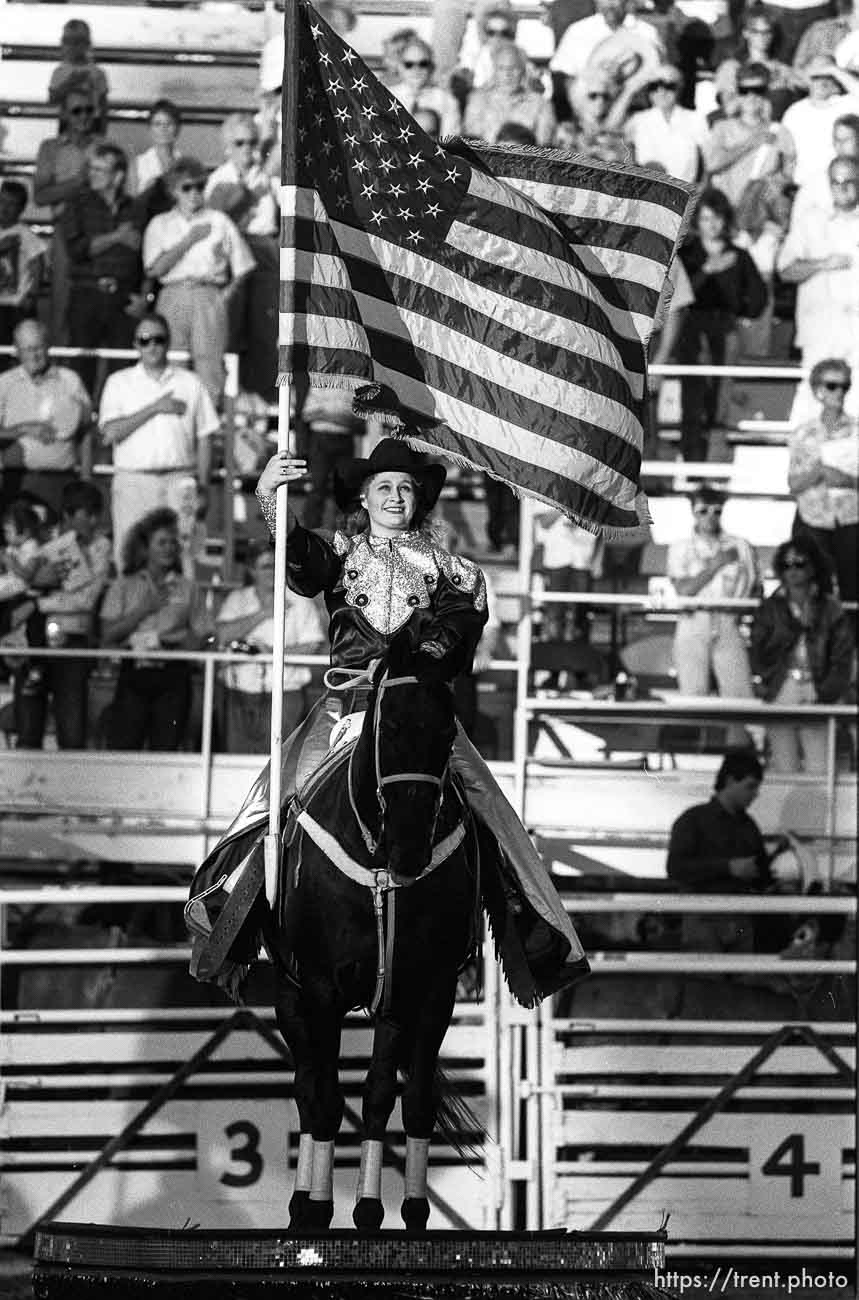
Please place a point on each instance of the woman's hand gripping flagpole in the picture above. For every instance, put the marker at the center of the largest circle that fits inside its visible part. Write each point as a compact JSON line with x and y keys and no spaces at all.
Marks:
{"x":272,"y":840}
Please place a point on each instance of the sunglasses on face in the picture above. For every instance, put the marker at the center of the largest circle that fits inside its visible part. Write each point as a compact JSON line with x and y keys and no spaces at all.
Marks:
{"x":82,"y":111}
{"x":708,"y":510}
{"x":751,"y":90}
{"x":598,"y":94}
{"x":416,"y":63}
{"x":759,"y":31}
{"x":795,"y":564}
{"x":499,"y":31}
{"x":663,"y":85}
{"x":835,"y":385}
{"x":241,"y":144}
{"x":145,"y":340}
{"x":189,"y":187}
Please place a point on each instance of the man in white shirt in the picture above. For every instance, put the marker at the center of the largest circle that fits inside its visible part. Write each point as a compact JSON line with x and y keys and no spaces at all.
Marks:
{"x":158,"y":419}
{"x":581,"y":41}
{"x":821,"y":256}
{"x":45,"y":412}
{"x":810,"y":121}
{"x":240,"y":187}
{"x":666,"y":134}
{"x":201,"y":260}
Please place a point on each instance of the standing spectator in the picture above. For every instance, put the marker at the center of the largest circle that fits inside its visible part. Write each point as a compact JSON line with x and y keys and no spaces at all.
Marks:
{"x":727,"y":288}
{"x":327,"y":437}
{"x":820,"y":256}
{"x":78,"y":67}
{"x":665,"y":133}
{"x":429,"y":121}
{"x":101,"y":228}
{"x":19,"y":559}
{"x":165,"y":123}
{"x":825,"y":35}
{"x":756,"y":47}
{"x":802,"y":651}
{"x":240,"y":186}
{"x":392,"y":53}
{"x":568,"y":558}
{"x":247,"y":616}
{"x":712,"y":566}
{"x":506,"y":99}
{"x":71,"y":575}
{"x":663,"y":344}
{"x":415,"y":87}
{"x":717,"y":847}
{"x":151,"y":607}
{"x":158,"y":419}
{"x":45,"y":412}
{"x":22,"y":259}
{"x":201,"y":260}
{"x":824,"y":474}
{"x":793,"y":18}
{"x":810,"y":120}
{"x":613,"y":38}
{"x":61,"y":170}
{"x":746,"y":147}
{"x":816,"y":192}
{"x":494,"y":30}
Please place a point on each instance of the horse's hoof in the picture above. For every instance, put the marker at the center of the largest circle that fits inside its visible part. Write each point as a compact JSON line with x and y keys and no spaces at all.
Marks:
{"x":318,"y":1215}
{"x":298,"y":1203}
{"x":415,"y":1212}
{"x":368,"y":1214}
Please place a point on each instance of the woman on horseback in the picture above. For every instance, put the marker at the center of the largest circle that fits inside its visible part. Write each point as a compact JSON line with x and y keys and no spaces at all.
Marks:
{"x":384,"y":576}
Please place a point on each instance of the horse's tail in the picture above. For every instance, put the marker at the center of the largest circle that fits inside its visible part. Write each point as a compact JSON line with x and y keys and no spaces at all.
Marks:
{"x":456,"y":1122}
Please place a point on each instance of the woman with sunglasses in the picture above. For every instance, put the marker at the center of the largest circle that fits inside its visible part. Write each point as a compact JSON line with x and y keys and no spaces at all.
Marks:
{"x":201,"y":260}
{"x":416,"y":88}
{"x":801,"y":650}
{"x":823,"y":474}
{"x":62,"y":164}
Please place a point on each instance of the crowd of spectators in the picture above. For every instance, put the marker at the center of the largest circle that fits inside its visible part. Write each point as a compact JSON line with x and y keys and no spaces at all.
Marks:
{"x":761,"y":112}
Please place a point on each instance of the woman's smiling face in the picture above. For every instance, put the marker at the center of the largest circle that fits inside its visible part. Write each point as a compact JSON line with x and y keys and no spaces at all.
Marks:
{"x":390,"y":500}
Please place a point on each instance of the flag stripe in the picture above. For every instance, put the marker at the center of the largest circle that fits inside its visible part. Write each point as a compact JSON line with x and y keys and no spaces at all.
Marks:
{"x":409,"y":365}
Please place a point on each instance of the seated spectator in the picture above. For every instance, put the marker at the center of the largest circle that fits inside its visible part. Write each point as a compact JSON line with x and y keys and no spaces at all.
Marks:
{"x":494,"y":30}
{"x":756,"y":47}
{"x":61,"y":171}
{"x":240,"y":186}
{"x":79,"y":68}
{"x":613,"y":40}
{"x":201,"y":260}
{"x":819,"y":255}
{"x":591,"y":99}
{"x":824,"y":474}
{"x":666,"y":134}
{"x":816,"y":192}
{"x":246,"y":619}
{"x":716,"y":847}
{"x":151,"y":607}
{"x":824,"y":35}
{"x":506,"y":99}
{"x":158,"y":419}
{"x":102,"y":232}
{"x":428,"y":120}
{"x":392,"y":54}
{"x":847,"y":50}
{"x":165,"y":123}
{"x":70,"y":576}
{"x":416,"y":89}
{"x":793,"y":19}
{"x":19,"y":559}
{"x":711,"y":566}
{"x":567,"y":135}
{"x":801,"y":651}
{"x":22,"y":260}
{"x":746,"y":147}
{"x":728,"y":288}
{"x":45,"y":413}
{"x":810,"y":120}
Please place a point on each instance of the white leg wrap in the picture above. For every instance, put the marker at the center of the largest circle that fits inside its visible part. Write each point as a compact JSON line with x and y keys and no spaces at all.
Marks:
{"x":417,"y":1159}
{"x":370,"y":1173}
{"x":322,"y":1174}
{"x":304,"y":1168}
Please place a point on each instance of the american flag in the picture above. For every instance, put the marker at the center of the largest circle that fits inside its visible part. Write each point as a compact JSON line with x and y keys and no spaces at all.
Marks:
{"x":505,"y":296}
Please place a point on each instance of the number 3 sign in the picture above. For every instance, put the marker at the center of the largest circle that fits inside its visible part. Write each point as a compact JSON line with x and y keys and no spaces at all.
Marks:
{"x":242,"y":1151}
{"x":796,"y":1164}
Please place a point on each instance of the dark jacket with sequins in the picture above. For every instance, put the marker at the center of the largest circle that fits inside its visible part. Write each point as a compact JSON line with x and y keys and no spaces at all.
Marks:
{"x":374,"y":587}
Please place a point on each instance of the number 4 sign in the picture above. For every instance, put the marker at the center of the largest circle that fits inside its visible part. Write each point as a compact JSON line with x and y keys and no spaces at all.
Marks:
{"x":796,"y":1164}
{"x":242,"y":1151}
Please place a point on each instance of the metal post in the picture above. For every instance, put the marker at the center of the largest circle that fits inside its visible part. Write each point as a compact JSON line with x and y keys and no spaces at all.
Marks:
{"x":206,"y":738}
{"x":831,"y":795}
{"x":231,"y":391}
{"x":272,"y":839}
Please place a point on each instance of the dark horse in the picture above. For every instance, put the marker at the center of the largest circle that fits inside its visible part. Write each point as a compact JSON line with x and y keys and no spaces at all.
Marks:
{"x":378,"y":903}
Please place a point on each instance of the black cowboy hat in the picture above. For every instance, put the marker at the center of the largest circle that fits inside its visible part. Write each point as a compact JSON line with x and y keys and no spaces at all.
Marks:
{"x":391,"y":454}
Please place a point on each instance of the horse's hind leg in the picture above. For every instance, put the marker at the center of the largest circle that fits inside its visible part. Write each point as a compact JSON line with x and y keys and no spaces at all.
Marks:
{"x":380,"y":1094}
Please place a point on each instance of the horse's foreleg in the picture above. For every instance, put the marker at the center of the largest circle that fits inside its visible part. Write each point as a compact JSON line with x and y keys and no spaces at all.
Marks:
{"x":380,"y":1094}
{"x":420,"y":1102}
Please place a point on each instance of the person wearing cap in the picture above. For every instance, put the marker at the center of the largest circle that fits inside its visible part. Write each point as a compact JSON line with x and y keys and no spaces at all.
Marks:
{"x":585,"y":44}
{"x":665,"y":133}
{"x":832,"y":92}
{"x":385,"y":574}
{"x":821,"y":256}
{"x":201,"y":260}
{"x":748,"y":146}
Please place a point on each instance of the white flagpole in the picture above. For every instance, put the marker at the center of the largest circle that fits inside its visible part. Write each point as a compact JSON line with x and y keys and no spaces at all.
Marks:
{"x":272,"y":839}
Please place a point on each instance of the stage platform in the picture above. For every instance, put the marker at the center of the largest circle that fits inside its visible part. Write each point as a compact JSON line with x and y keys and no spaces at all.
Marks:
{"x":79,"y":1261}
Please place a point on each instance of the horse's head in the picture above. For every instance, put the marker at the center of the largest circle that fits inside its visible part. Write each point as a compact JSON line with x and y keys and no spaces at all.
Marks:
{"x":413,"y":730}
